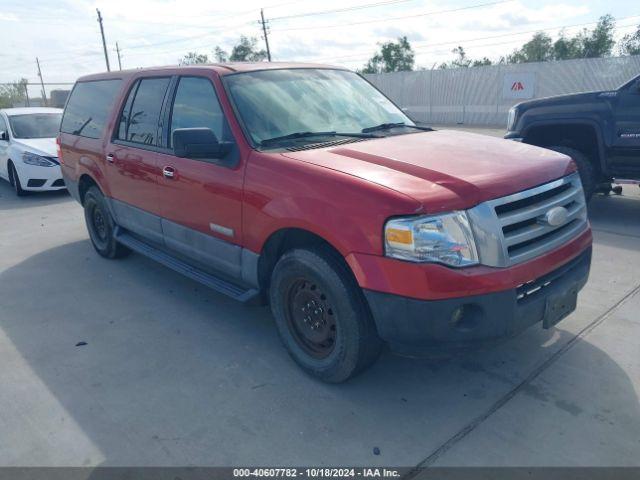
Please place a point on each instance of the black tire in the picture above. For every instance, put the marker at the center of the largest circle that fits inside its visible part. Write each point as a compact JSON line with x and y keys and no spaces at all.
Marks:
{"x":101,"y":226}
{"x":585,"y":168}
{"x":14,"y":180}
{"x":332,"y":336}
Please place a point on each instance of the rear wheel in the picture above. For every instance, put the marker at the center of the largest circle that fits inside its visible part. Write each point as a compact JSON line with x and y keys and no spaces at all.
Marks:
{"x":14,"y":179}
{"x":322,"y":316}
{"x":585,"y":168}
{"x":101,"y":225}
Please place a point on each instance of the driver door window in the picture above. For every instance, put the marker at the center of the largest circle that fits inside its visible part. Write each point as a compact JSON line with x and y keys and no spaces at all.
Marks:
{"x":196,"y":105}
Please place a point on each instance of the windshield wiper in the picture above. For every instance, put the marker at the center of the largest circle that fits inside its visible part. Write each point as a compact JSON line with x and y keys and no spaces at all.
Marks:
{"x":82,"y":127}
{"x":389,"y":126}
{"x":296,"y":135}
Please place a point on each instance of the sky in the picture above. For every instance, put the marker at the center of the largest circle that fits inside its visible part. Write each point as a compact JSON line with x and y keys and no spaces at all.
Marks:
{"x":65,"y":34}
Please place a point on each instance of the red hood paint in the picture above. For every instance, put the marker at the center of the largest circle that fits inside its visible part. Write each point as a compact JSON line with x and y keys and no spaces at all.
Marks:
{"x":444,"y":170}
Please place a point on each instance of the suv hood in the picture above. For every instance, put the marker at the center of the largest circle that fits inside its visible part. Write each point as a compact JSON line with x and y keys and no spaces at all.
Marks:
{"x":444,"y":170}
{"x":40,"y":146}
{"x":570,"y":99}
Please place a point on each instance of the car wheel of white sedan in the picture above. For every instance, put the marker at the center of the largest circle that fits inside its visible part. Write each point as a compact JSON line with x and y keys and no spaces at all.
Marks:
{"x":14,"y":179}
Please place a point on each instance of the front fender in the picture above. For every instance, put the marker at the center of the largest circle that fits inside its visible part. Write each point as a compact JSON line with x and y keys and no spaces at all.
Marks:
{"x":346,"y":211}
{"x":335,"y":227}
{"x":594,"y":123}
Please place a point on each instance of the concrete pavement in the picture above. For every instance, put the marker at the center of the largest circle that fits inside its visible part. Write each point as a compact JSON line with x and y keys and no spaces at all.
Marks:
{"x":175,"y":374}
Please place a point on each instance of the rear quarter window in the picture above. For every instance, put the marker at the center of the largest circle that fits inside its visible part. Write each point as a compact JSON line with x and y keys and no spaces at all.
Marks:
{"x":88,"y":107}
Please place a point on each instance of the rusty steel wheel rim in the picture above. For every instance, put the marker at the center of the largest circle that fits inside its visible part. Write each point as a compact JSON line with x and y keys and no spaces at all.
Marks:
{"x":99,"y":223}
{"x":311,"y":318}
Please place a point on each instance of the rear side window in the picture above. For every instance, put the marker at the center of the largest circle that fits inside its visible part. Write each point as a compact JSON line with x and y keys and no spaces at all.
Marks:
{"x":88,"y":107}
{"x":140,"y":117}
{"x":196,"y":105}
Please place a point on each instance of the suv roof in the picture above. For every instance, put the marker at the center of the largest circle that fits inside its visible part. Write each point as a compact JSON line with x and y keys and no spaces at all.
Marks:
{"x":220,"y":68}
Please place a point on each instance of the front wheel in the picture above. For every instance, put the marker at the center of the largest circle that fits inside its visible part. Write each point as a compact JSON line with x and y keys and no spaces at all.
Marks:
{"x":322,"y":316}
{"x":585,"y":169}
{"x":14,"y":180}
{"x":101,"y":226}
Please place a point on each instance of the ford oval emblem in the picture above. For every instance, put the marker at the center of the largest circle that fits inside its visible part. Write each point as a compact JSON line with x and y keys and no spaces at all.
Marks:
{"x":555,"y":217}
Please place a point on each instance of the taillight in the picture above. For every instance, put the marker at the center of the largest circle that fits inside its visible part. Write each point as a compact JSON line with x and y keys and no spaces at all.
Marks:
{"x":59,"y":150}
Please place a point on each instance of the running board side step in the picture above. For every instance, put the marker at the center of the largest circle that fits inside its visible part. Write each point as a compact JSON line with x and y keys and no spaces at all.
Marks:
{"x":215,"y":283}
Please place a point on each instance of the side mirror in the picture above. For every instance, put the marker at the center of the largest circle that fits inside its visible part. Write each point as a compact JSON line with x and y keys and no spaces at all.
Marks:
{"x":4,"y":136}
{"x":198,"y":143}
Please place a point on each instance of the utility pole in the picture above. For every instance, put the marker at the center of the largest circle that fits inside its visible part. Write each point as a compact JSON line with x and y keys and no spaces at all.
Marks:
{"x":104,"y":42}
{"x":26,"y":94}
{"x":118,"y":52}
{"x":44,"y":92}
{"x":264,"y":31}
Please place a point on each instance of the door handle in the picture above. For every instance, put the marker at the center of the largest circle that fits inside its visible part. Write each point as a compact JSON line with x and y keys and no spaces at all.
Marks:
{"x":110,"y":157}
{"x":168,"y":171}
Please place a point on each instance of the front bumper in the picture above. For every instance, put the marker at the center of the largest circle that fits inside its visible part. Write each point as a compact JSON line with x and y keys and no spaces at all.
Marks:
{"x":38,"y":179}
{"x":411,"y":325}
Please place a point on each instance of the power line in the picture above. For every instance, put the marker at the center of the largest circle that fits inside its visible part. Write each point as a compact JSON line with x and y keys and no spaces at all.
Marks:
{"x":29,"y":15}
{"x":63,"y":56}
{"x":151,"y":46}
{"x":491,"y":37}
{"x":388,"y":19}
{"x":340,"y":10}
{"x":216,"y":30}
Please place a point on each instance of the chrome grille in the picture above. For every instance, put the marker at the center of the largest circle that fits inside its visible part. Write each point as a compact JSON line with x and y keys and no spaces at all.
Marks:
{"x":524,"y":225}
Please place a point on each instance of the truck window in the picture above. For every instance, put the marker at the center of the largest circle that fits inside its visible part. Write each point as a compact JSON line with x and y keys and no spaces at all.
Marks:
{"x":142,"y":118}
{"x":88,"y":107}
{"x":196,"y":105}
{"x":124,"y":117}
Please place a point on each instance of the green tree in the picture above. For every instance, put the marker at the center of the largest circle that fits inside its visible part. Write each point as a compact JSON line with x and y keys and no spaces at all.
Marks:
{"x":630,"y":44}
{"x":13,"y":93}
{"x":567,"y":48}
{"x":193,"y":58}
{"x":247,"y":51}
{"x":538,"y":49}
{"x":463,"y":61}
{"x":220,"y":55}
{"x":393,"y":57}
{"x":600,"y":41}
{"x":595,"y":43}
{"x":483,"y":62}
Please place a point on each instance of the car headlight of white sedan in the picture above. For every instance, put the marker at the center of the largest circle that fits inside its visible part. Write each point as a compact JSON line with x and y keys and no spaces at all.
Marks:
{"x":37,"y":160}
{"x":446,"y":239}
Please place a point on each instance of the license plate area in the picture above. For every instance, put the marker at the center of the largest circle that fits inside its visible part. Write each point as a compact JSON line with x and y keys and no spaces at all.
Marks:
{"x":558,"y":306}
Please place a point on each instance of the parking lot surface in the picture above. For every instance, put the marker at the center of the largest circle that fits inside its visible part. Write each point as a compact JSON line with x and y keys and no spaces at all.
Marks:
{"x":175,"y":374}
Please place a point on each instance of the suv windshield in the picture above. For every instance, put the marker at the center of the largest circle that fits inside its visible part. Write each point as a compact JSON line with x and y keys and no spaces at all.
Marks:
{"x":279,"y":103}
{"x":630,"y":82}
{"x":35,"y":125}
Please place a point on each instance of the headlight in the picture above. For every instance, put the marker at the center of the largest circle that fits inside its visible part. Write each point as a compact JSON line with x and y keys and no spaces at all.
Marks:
{"x":511,"y":119}
{"x":37,"y":160}
{"x":444,"y":239}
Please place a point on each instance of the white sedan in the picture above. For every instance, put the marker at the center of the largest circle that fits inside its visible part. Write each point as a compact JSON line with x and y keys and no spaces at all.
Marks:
{"x":28,"y":152}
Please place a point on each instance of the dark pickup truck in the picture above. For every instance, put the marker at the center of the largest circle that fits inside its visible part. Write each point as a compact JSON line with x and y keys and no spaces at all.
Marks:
{"x":599,"y":130}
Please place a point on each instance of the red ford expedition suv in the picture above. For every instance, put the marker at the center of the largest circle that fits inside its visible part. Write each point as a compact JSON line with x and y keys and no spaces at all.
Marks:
{"x":304,"y":186}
